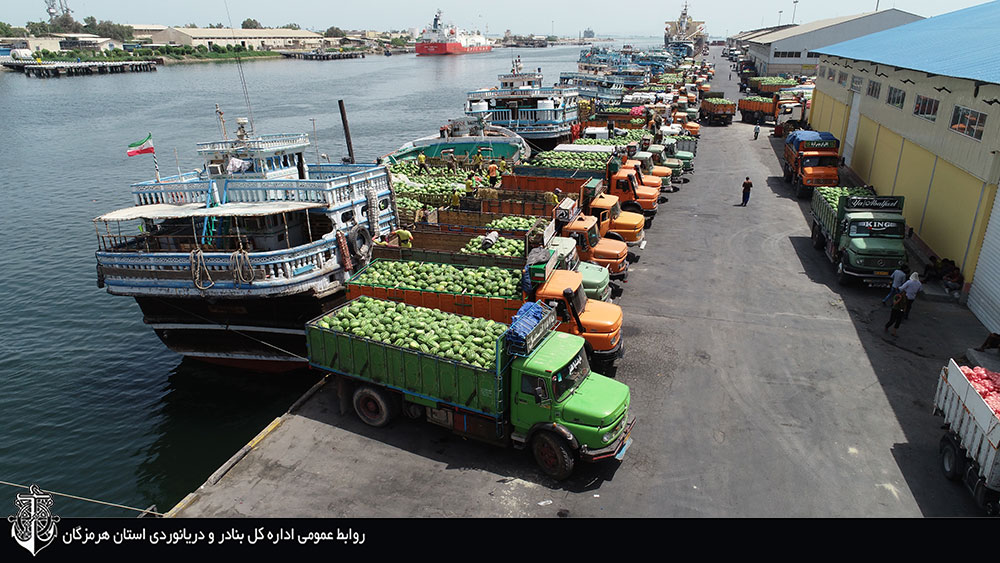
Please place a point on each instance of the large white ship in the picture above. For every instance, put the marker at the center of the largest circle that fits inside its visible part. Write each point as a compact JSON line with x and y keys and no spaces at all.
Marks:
{"x":440,"y":39}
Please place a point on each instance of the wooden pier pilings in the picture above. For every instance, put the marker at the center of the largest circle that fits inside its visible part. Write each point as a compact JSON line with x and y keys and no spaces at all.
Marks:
{"x":59,"y":69}
{"x":313,"y":56}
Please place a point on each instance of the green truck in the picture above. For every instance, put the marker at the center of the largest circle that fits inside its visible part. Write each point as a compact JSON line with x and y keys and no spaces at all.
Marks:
{"x":523,"y":385}
{"x":861,"y":232}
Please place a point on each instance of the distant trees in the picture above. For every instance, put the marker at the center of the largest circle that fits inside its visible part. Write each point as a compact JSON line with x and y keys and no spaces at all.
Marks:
{"x":334,"y":31}
{"x":290,"y":26}
{"x":398,"y":42}
{"x":66,"y":24}
{"x":7,"y":30}
{"x":216,"y":26}
{"x":251,"y":23}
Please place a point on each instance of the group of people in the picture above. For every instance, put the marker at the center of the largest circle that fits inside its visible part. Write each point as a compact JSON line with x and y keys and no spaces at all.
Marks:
{"x":902,"y":293}
{"x":493,"y":171}
{"x":945,"y":270}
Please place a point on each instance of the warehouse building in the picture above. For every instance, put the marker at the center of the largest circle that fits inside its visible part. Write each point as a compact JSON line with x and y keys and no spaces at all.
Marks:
{"x":258,"y":39}
{"x":792,"y":51}
{"x":922,"y":121}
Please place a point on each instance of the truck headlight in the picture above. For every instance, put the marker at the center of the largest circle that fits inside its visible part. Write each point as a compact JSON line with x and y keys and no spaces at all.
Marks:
{"x":607,"y":437}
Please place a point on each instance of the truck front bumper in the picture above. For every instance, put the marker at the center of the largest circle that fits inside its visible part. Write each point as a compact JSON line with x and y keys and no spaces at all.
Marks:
{"x":876,"y":278}
{"x":621,"y":275}
{"x":609,"y":356}
{"x":640,"y":235}
{"x":615,"y":449}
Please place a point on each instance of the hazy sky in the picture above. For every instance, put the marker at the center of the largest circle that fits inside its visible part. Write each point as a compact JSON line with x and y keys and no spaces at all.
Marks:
{"x":567,"y":18}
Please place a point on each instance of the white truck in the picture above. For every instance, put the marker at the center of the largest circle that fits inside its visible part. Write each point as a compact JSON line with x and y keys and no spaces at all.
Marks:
{"x":968,"y":449}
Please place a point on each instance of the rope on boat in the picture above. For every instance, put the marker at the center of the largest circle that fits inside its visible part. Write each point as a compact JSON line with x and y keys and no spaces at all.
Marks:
{"x":199,"y":270}
{"x":239,"y":263}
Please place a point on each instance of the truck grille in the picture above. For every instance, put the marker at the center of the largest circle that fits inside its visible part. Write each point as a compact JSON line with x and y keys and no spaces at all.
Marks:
{"x":880,"y":262}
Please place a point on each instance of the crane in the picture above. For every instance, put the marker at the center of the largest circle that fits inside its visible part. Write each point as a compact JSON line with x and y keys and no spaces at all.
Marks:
{"x":53,"y":11}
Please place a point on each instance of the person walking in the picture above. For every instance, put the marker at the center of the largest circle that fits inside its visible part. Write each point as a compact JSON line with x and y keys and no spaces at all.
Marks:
{"x":896,"y":314}
{"x":747,"y":184}
{"x":756,"y":131}
{"x":422,"y":159}
{"x":898,"y":277}
{"x":910,"y":288}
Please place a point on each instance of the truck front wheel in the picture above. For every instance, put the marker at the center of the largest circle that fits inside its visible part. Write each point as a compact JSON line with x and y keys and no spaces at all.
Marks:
{"x":951,"y":460}
{"x":374,"y":406}
{"x":553,"y":455}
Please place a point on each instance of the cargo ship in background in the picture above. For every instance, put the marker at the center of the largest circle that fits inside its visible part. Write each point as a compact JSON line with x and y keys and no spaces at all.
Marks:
{"x":440,"y":39}
{"x":685,"y":37}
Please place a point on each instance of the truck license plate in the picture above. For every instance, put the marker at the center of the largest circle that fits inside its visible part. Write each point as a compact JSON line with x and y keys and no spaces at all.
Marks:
{"x":881,"y":273}
{"x":621,"y":454}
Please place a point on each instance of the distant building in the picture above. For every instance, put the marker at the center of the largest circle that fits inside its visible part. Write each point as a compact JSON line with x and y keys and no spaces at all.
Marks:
{"x":792,"y":50}
{"x":47,"y":43}
{"x":920,"y":118}
{"x":85,"y":42}
{"x":145,"y":32}
{"x":588,"y":33}
{"x":258,"y":39}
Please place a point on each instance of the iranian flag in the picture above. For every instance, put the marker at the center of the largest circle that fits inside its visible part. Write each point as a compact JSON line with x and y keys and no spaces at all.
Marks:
{"x":141,"y":147}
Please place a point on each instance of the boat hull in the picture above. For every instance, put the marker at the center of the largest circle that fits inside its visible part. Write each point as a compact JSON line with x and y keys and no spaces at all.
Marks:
{"x":266,"y":334}
{"x":452,"y":48}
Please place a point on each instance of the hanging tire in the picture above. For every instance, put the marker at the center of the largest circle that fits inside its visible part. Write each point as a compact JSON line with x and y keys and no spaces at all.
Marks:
{"x":951,"y":459}
{"x":359,"y":241}
{"x":817,"y":237}
{"x":413,"y":411}
{"x":553,"y":455}
{"x":374,"y":407}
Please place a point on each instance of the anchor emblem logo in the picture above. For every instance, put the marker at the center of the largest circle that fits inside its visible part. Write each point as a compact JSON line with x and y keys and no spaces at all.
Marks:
{"x":34,"y":525}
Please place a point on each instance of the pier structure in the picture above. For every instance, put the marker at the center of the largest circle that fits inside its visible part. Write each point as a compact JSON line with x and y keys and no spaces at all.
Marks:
{"x":59,"y":69}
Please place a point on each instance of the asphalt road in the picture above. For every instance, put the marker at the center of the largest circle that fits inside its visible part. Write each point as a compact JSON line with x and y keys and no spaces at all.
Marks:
{"x":763,"y":389}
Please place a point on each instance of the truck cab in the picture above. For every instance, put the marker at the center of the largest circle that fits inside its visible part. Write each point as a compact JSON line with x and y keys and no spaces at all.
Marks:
{"x":596,"y":279}
{"x":681,"y":118}
{"x":642,"y":177}
{"x":871,"y":244}
{"x":591,"y":247}
{"x":635,"y":198}
{"x":647,"y":166}
{"x":614,"y":223}
{"x":660,"y":157}
{"x":599,"y":323}
{"x":563,"y":410}
{"x":811,"y":160}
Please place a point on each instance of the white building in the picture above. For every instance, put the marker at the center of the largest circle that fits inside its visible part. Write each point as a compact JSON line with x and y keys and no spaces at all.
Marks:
{"x":792,"y":50}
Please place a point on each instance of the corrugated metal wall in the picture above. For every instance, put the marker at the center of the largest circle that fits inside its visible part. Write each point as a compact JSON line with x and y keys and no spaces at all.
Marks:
{"x":984,"y":297}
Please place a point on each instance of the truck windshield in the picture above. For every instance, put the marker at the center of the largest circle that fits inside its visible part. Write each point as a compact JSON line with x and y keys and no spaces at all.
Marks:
{"x":569,"y":376}
{"x":593,"y":237}
{"x":890,"y":229}
{"x":616,"y":210}
{"x":811,"y":161}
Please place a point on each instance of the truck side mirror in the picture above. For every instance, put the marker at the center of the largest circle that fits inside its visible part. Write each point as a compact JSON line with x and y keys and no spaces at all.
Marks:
{"x":540,"y":395}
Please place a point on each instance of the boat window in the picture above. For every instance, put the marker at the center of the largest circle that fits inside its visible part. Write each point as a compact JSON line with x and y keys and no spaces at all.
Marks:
{"x":364,"y":209}
{"x":347,"y":216}
{"x":284,"y":160}
{"x":383,"y":204}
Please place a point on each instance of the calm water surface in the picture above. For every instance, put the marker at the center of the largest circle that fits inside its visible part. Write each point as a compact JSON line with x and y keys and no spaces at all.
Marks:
{"x":91,"y":402}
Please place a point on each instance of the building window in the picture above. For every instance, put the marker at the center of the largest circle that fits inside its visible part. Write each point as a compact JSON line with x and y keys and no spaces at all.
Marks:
{"x":842,"y":79}
{"x":895,"y":97}
{"x":812,"y":55}
{"x":926,"y":108}
{"x":874,"y":88}
{"x":968,"y":122}
{"x":856,"y":83}
{"x":787,"y":54}
{"x":831,"y":74}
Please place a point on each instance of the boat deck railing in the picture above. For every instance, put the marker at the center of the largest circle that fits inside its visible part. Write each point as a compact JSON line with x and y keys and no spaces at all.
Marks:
{"x":528,"y":117}
{"x":542,"y":92}
{"x":188,"y":270}
{"x":263,"y":142}
{"x":329,"y":184}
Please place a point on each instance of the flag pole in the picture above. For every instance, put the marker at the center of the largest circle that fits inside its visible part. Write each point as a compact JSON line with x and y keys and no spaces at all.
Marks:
{"x":156,"y":166}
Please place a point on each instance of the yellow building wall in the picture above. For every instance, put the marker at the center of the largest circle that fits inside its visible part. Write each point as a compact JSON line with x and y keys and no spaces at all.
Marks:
{"x":951,"y":211}
{"x":884,"y":163}
{"x":816,"y":111}
{"x":915,"y":166}
{"x":864,"y":144}
{"x":969,"y":267}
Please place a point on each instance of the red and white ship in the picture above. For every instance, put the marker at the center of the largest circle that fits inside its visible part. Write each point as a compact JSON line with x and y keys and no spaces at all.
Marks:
{"x":449,"y":40}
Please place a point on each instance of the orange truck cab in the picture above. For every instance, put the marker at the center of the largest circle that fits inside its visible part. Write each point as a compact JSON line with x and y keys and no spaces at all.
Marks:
{"x":681,"y":118}
{"x":572,"y":223}
{"x":634,"y":197}
{"x":615,"y":224}
{"x":599,"y":323}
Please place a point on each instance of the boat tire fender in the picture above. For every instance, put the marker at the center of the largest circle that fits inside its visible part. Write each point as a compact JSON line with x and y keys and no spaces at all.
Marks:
{"x":359,"y":240}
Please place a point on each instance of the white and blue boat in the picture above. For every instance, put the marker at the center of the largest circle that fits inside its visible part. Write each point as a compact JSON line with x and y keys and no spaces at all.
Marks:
{"x":229,"y":263}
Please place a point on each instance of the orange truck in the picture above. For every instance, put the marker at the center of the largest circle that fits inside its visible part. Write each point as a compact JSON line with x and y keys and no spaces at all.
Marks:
{"x":715,"y":108}
{"x":634,"y":195}
{"x":599,"y":323}
{"x":760,"y":109}
{"x":811,"y":160}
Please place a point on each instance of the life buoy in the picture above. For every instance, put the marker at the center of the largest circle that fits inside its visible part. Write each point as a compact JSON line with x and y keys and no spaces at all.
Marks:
{"x":359,"y":241}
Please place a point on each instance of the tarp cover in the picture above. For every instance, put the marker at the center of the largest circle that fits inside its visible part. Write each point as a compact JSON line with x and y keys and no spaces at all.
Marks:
{"x":798,"y":136}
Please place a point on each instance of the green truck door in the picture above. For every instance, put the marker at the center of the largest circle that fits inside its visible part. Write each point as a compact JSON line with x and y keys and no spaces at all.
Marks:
{"x":527,"y":411}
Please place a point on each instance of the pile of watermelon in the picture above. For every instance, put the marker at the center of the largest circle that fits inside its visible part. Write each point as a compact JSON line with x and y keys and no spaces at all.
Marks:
{"x":570,"y":160}
{"x":987,"y":384}
{"x":470,"y":340}
{"x":502,"y":247}
{"x":431,"y":276}
{"x":512,"y":223}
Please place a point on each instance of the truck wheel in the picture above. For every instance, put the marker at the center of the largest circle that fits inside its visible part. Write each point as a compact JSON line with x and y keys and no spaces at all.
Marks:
{"x":817,"y":237}
{"x":553,"y":455}
{"x":374,"y":407}
{"x":787,"y":174}
{"x":632,"y":207}
{"x":951,"y":460}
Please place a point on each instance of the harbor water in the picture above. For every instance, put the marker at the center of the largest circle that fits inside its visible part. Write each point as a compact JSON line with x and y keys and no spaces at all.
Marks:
{"x":92,"y":404}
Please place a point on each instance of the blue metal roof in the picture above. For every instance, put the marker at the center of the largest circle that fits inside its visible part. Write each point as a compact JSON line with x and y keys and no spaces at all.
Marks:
{"x":962,"y":44}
